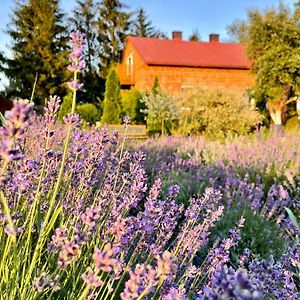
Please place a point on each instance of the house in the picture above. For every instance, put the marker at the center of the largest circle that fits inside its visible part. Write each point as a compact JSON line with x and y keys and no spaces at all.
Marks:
{"x":183,"y":65}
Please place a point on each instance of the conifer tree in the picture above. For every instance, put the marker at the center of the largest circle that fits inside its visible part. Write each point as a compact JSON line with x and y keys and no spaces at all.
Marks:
{"x":195,"y":36}
{"x":142,"y":26}
{"x":156,"y":89}
{"x":39,"y":44}
{"x":112,"y":27}
{"x":112,"y":100}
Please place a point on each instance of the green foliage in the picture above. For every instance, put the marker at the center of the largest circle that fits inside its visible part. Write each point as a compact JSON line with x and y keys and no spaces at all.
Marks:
{"x":292,"y":125}
{"x":132,"y":106}
{"x":237,"y":31}
{"x":37,"y":47}
{"x":260,"y":235}
{"x":156,"y":89}
{"x":141,"y":26}
{"x":216,"y":114}
{"x":195,"y":36}
{"x":112,"y":26}
{"x":88,"y":112}
{"x":66,"y":106}
{"x":272,"y":38}
{"x":161,"y":112}
{"x":112,"y":99}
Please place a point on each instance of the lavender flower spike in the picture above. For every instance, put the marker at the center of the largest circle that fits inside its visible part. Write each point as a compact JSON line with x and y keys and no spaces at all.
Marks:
{"x":76,"y":57}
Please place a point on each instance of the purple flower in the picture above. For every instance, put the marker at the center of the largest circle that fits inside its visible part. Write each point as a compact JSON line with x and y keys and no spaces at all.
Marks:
{"x":141,"y":281}
{"x":44,"y":282}
{"x":174,"y":294}
{"x":91,"y":279}
{"x":51,"y":111}
{"x":76,"y":57}
{"x":10,"y":231}
{"x":14,"y":130}
{"x":90,"y":217}
{"x":74,"y":85}
{"x":173,"y":190}
{"x":69,"y":252}
{"x":165,"y":266}
{"x":72,"y":119}
{"x":126,"y":120}
{"x":104,"y":259}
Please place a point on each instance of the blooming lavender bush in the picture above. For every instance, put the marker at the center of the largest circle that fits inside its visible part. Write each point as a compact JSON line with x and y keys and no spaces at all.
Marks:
{"x":80,"y":220}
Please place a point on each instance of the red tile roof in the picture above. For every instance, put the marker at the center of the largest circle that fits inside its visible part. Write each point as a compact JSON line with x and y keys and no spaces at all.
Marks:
{"x":190,"y":54}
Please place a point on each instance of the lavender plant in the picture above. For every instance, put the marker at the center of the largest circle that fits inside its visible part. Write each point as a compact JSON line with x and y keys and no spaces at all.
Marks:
{"x":80,"y":220}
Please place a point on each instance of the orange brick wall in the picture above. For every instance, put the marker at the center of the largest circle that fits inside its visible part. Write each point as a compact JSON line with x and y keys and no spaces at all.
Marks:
{"x":174,"y":80}
{"x":138,"y":65}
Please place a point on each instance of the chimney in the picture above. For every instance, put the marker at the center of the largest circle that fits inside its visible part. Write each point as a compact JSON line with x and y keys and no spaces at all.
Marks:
{"x":214,"y":38}
{"x":177,"y":35}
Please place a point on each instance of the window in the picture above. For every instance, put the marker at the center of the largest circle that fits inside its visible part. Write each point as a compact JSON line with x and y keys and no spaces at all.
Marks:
{"x":129,"y":66}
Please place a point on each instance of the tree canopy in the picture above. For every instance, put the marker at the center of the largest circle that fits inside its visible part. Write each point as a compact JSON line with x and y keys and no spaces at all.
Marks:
{"x":272,"y":38}
{"x":112,"y":26}
{"x":38,"y":47}
{"x":142,"y":26}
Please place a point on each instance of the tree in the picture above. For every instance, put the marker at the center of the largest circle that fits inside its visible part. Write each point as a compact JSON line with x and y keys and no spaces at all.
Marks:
{"x":272,"y":38}
{"x":39,"y":47}
{"x":112,"y":99}
{"x":112,"y":26}
{"x":195,"y":36}
{"x":132,"y":106}
{"x":237,"y":31}
{"x":160,"y":112}
{"x":156,"y":89}
{"x":84,"y":19}
{"x":142,"y":26}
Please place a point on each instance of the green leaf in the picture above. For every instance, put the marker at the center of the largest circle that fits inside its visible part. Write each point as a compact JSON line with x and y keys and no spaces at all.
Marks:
{"x":292,"y":217}
{"x":2,"y":118}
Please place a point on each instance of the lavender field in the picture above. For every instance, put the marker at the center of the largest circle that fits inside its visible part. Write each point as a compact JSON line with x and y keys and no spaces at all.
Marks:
{"x":85,"y":214}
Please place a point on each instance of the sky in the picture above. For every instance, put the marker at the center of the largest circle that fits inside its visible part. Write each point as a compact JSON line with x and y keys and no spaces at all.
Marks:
{"x":208,"y":16}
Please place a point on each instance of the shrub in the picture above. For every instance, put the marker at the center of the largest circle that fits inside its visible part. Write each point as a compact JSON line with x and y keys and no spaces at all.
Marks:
{"x":216,"y":114}
{"x":132,"y":106}
{"x":161,"y":112}
{"x":112,"y":99}
{"x":259,"y":234}
{"x":88,"y":112}
{"x":66,"y":106}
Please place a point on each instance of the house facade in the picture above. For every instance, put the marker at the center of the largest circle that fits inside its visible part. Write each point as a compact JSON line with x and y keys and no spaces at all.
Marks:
{"x":184,"y":65}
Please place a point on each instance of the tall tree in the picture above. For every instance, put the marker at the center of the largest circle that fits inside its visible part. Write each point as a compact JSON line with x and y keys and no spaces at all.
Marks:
{"x":112,"y":26}
{"x":39,"y":44}
{"x":84,"y":19}
{"x":112,"y":100}
{"x":272,"y":38}
{"x":142,"y":26}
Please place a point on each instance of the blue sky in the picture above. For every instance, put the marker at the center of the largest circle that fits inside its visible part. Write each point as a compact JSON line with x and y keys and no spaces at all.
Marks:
{"x":208,"y":16}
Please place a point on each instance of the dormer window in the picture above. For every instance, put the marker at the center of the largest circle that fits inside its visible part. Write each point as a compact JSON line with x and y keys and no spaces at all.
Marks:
{"x":129,"y":65}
